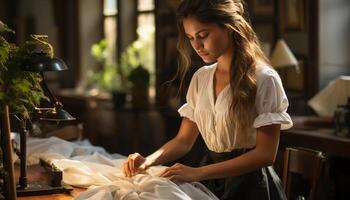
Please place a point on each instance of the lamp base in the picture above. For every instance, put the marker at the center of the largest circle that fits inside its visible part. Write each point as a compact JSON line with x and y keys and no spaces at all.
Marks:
{"x":52,"y":185}
{"x":42,"y":187}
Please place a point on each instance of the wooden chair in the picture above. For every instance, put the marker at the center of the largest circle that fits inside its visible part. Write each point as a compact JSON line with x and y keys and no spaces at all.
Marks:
{"x":302,"y":171}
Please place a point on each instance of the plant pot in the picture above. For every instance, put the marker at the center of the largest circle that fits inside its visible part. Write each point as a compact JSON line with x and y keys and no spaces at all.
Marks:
{"x":139,"y":97}
{"x":119,"y":99}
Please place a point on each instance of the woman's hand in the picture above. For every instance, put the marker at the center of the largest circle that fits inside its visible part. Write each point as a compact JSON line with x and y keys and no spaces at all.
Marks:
{"x":183,"y":173}
{"x":134,"y":165}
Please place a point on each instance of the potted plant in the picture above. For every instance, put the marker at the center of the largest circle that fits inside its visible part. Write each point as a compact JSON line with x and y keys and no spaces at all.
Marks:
{"x":136,"y":59}
{"x":20,"y":90}
{"x":140,"y":79}
{"x":108,"y":77}
{"x":128,"y":74}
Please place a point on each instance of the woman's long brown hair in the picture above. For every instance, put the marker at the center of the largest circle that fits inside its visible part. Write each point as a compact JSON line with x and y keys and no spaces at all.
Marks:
{"x":246,"y":55}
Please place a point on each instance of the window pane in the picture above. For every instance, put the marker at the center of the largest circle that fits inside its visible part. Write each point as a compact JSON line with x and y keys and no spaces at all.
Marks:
{"x":146,"y":36}
{"x":110,"y":30}
{"x":110,"y":7}
{"x":144,"y":5}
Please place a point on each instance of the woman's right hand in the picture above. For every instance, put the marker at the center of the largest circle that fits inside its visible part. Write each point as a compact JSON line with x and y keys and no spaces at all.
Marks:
{"x":134,"y":165}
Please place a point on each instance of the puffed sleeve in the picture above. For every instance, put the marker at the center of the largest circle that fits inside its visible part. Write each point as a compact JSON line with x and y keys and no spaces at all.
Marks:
{"x":272,"y":103}
{"x":187,"y":110}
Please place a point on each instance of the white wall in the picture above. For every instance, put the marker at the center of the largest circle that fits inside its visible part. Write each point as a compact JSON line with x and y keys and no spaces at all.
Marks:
{"x":334,"y":40}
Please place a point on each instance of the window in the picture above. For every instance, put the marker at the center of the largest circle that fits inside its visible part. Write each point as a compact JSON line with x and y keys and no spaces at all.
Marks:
{"x":146,"y":34}
{"x":110,"y":13}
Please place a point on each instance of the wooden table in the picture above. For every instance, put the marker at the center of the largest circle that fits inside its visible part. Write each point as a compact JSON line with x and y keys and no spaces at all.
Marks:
{"x":38,"y":173}
{"x":319,"y":139}
{"x":316,"y":133}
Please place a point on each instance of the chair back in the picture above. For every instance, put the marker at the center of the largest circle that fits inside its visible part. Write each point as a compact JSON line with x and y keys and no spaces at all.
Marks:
{"x":301,"y":172}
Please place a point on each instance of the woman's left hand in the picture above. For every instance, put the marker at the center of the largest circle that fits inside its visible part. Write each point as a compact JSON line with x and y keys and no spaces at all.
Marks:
{"x":183,"y":173}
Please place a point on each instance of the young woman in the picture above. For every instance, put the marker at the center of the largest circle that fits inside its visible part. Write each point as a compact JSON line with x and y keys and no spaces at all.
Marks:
{"x":237,"y":104}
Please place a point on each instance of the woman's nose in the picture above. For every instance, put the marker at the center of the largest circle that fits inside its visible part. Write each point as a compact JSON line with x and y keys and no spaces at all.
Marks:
{"x":197,"y":44}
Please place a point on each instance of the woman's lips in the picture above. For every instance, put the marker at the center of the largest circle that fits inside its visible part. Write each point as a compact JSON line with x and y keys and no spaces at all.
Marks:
{"x":202,"y":54}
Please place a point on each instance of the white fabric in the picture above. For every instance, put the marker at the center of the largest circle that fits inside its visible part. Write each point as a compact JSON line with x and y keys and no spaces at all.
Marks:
{"x":92,"y":167}
{"x":59,"y":148}
{"x":335,"y":93}
{"x":212,"y":118}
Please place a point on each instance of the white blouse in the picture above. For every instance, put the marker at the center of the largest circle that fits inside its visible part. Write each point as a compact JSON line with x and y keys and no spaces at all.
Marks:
{"x":212,"y":118}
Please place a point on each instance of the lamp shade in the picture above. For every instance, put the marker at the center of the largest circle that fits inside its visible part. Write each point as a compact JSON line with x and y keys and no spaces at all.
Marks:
{"x":335,"y":93}
{"x":42,"y":62}
{"x":57,"y":115}
{"x":282,"y":56}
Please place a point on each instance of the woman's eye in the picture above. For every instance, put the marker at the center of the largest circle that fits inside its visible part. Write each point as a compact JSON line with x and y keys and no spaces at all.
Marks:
{"x":203,"y":36}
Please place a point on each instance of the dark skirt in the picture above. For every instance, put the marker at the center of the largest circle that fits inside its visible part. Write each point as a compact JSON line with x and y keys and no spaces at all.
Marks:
{"x":262,"y":184}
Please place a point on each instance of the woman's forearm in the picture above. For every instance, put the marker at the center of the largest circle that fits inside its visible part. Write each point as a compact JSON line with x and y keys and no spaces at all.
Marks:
{"x":177,"y":147}
{"x":170,"y":151}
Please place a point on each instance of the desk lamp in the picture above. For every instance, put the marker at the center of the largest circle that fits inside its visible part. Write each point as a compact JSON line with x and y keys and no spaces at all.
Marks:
{"x":334,"y":101}
{"x":42,"y":62}
{"x":282,"y":58}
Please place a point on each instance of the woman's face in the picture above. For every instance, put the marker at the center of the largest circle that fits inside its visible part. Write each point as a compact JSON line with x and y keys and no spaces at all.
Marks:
{"x":210,"y":41}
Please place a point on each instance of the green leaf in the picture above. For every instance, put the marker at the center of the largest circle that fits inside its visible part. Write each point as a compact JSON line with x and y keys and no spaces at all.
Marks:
{"x":21,"y":85}
{"x":5,"y":28}
{"x":43,"y":41}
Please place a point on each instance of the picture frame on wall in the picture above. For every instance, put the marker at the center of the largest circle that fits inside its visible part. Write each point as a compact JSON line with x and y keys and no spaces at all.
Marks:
{"x":263,"y":7}
{"x":292,"y":14}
